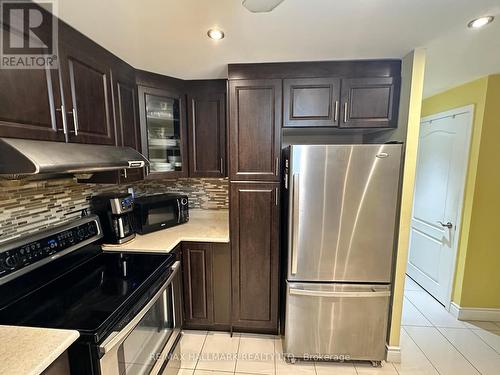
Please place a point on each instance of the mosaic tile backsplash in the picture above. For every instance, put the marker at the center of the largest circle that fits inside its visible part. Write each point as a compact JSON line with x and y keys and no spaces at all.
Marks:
{"x":26,"y":207}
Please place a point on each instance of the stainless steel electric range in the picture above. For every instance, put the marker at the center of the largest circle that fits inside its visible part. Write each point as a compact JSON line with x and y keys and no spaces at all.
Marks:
{"x":126,"y":306}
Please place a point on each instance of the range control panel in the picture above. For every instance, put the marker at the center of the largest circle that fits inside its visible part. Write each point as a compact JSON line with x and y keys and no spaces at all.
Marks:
{"x":45,"y":248}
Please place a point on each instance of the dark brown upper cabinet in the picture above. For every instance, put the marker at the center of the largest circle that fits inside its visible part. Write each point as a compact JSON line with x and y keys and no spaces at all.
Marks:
{"x":254,"y":221}
{"x":163,"y":132}
{"x":369,"y":91}
{"x":86,"y":81}
{"x":254,"y":129}
{"x":29,"y":101}
{"x":370,"y":102}
{"x":207,"y":128}
{"x":311,"y":102}
{"x":126,"y":113}
{"x":30,"y":105}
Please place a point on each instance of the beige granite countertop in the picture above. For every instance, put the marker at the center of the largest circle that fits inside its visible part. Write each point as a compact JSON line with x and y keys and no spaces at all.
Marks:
{"x":26,"y":350}
{"x":203,"y":226}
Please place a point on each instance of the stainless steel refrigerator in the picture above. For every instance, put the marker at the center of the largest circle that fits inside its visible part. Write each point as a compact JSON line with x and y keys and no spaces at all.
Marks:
{"x":343,"y":202}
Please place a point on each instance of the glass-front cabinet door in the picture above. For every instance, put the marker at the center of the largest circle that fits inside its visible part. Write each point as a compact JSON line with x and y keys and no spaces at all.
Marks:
{"x":163,"y":132}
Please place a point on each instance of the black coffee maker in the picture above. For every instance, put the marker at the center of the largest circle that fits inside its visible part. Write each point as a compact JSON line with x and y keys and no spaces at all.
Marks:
{"x":115,"y":213}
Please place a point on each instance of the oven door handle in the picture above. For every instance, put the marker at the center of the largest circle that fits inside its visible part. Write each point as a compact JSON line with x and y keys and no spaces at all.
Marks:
{"x":118,"y":337}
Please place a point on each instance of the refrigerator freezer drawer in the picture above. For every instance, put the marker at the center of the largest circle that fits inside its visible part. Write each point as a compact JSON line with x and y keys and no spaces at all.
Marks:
{"x":336,"y":321}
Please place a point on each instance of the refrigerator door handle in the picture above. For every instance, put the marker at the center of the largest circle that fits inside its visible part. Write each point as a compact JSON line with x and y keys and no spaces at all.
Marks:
{"x":320,"y":293}
{"x":295,"y":222}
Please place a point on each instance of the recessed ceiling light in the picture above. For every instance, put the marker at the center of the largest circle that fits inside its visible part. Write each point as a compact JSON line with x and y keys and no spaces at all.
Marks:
{"x":480,"y":22}
{"x":215,"y":34}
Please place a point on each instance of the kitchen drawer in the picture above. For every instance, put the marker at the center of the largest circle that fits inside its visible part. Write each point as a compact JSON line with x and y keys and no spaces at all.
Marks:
{"x":344,"y":320}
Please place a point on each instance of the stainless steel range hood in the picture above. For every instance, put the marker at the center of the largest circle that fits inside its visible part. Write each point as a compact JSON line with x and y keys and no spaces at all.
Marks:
{"x":21,"y":158}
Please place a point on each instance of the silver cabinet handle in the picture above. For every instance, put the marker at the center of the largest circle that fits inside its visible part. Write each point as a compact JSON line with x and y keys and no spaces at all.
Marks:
{"x":136,"y":164}
{"x":322,"y":293}
{"x":345,"y":112}
{"x":124,"y":173}
{"x":276,"y":196}
{"x":295,"y":222}
{"x":193,"y":111}
{"x":75,"y":120}
{"x":221,"y":165}
{"x":336,"y":114}
{"x":63,"y":115}
{"x":447,"y":225}
{"x":277,"y":166}
{"x":117,"y":337}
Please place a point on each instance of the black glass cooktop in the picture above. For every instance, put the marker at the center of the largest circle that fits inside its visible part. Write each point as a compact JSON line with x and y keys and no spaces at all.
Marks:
{"x":89,"y":298}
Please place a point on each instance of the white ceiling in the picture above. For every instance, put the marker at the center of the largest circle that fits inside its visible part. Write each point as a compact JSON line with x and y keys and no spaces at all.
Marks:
{"x":169,"y":36}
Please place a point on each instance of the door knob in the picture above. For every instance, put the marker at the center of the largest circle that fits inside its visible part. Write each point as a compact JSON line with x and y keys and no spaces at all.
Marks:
{"x":447,"y":225}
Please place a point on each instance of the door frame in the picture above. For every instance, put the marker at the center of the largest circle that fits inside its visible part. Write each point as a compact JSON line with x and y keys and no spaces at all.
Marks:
{"x":458,"y":225}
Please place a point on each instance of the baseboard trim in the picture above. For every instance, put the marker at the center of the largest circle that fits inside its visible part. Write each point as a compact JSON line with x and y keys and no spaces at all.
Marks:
{"x":471,"y":313}
{"x":454,"y":310}
{"x":393,"y":354}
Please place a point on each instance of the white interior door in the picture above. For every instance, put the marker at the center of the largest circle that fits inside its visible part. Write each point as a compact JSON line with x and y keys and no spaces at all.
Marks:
{"x":440,"y":180}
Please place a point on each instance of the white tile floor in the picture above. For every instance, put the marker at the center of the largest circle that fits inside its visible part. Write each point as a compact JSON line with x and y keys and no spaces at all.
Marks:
{"x":433,"y":342}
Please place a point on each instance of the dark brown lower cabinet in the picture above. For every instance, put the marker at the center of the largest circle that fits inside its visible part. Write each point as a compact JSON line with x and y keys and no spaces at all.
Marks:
{"x":207,"y":280}
{"x":222,"y":285}
{"x":254,"y":221}
{"x":59,"y":367}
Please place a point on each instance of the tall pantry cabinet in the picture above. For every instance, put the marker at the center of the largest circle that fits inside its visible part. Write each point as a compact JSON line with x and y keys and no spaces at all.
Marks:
{"x":254,"y":172}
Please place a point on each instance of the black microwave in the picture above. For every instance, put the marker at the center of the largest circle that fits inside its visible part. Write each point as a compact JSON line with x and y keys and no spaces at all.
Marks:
{"x":160,"y":211}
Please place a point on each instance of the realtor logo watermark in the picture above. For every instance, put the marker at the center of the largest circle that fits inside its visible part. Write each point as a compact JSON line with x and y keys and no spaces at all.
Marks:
{"x":29,"y":34}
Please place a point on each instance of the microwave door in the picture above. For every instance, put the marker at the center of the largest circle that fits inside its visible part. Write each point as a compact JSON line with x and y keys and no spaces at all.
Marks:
{"x":161,"y":215}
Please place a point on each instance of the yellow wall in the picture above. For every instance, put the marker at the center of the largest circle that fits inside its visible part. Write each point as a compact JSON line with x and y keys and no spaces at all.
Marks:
{"x":477,"y":279}
{"x":481,"y":281}
{"x":410,"y":106}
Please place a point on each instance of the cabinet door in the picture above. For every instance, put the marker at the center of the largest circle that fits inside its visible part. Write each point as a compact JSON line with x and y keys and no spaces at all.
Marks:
{"x":29,"y":99}
{"x":222,"y":285}
{"x":126,"y":115}
{"x":28,"y":105}
{"x":254,"y":220}
{"x":85,"y":71}
{"x":126,"y":112}
{"x":207,"y":132}
{"x":126,"y":120}
{"x":311,"y":102}
{"x":254,"y":129}
{"x":370,"y":102}
{"x":198,"y":284}
{"x":163,"y":132}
